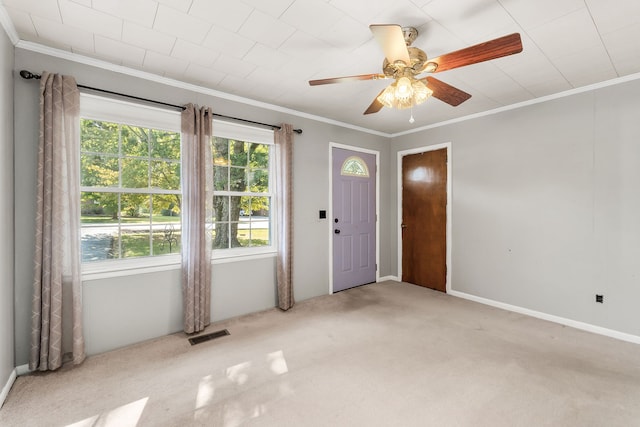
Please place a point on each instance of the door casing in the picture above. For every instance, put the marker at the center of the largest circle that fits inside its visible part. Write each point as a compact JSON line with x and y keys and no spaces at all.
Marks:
{"x":401,"y":154}
{"x":333,"y":145}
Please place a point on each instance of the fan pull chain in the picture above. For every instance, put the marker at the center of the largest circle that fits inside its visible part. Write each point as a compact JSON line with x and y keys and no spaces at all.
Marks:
{"x":411,"y":119}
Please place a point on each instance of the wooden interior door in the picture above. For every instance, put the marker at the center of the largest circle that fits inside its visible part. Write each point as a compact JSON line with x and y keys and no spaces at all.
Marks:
{"x":424,"y":219}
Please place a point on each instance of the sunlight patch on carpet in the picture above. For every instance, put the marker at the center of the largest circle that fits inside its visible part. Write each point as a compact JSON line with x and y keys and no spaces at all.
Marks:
{"x":277,"y":362}
{"x":123,"y":416}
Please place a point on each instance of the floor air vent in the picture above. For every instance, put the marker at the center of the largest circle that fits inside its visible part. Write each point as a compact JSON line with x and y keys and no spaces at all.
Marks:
{"x":208,"y":337}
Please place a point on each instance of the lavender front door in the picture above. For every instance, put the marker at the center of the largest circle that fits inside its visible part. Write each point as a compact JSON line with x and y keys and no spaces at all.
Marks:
{"x":354,"y":218}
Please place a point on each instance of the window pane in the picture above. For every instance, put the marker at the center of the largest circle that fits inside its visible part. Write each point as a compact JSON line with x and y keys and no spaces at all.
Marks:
{"x":238,"y":152}
{"x":99,"y":137}
{"x":135,"y":173}
{"x":165,"y":175}
{"x":221,"y":235}
{"x":245,"y":207}
{"x":166,"y":208}
{"x":238,"y":179}
{"x":226,"y":208}
{"x":99,"y":226}
{"x":134,"y":208}
{"x":98,"y":245}
{"x":135,"y":242}
{"x":243,"y":233}
{"x":165,"y":144}
{"x":167,"y":231}
{"x":99,"y":170}
{"x":99,"y":208}
{"x":259,"y":156}
{"x":354,"y":166}
{"x":259,"y":180}
{"x":221,"y":178}
{"x":235,"y":206}
{"x":260,"y":207}
{"x":240,"y":235}
{"x":260,"y":233}
{"x":220,"y":208}
{"x":135,"y":226}
{"x":166,"y":238}
{"x":259,"y":225}
{"x":135,"y":141}
{"x":220,"y":151}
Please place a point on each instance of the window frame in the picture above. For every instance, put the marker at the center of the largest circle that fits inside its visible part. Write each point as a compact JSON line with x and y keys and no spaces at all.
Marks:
{"x":102,"y":108}
{"x":256,"y":135}
{"x":95,"y":107}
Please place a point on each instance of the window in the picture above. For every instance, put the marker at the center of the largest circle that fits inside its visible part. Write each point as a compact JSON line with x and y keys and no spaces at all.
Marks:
{"x":354,"y":166}
{"x":131,"y":190}
{"x":130,"y":186}
{"x":242,"y":201}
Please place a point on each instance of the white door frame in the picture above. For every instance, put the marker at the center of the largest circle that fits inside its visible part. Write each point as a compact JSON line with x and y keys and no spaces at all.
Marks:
{"x":333,"y":145}
{"x":401,"y":154}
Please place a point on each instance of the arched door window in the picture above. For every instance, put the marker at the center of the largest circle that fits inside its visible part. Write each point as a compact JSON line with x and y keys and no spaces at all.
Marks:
{"x":354,"y":166}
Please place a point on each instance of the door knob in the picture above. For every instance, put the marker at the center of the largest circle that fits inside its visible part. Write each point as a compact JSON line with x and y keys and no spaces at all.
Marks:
{"x":336,"y":231}
{"x":404,"y":226}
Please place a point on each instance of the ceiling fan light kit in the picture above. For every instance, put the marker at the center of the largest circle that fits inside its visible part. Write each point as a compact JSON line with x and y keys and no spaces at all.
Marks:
{"x":404,"y":63}
{"x":404,"y":93}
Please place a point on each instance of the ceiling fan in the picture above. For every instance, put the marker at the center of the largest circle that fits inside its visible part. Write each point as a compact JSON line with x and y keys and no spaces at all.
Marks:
{"x":404,"y":63}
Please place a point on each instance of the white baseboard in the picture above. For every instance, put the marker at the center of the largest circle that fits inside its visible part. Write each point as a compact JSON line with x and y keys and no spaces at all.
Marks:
{"x":385,"y":278}
{"x":557,"y":319}
{"x":7,"y":387}
{"x":23,"y":369}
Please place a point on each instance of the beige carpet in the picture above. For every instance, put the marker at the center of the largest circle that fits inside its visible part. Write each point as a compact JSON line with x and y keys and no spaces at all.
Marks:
{"x":388,"y":354}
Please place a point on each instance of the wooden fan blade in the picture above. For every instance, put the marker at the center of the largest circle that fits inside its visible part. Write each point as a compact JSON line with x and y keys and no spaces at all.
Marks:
{"x":347,"y":79}
{"x":375,"y":105}
{"x":391,"y":40}
{"x":496,"y":48}
{"x":445,"y":92}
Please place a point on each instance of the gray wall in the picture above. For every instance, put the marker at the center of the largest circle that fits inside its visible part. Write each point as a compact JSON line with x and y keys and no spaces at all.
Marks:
{"x":123,"y":310}
{"x":6,"y":209}
{"x":546,"y":205}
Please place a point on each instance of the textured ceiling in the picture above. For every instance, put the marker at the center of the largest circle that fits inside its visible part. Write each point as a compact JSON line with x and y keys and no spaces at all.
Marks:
{"x":267,"y":50}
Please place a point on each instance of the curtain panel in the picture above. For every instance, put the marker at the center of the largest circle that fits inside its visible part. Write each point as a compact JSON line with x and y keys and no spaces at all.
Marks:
{"x":197,"y":207}
{"x":283,"y":139}
{"x":57,"y":289}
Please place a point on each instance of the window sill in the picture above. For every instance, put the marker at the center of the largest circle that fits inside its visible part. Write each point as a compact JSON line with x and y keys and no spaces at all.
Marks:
{"x":243,"y":256}
{"x":131,"y":267}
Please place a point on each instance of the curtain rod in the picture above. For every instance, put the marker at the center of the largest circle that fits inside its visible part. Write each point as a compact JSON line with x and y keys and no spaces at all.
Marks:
{"x":28,"y":75}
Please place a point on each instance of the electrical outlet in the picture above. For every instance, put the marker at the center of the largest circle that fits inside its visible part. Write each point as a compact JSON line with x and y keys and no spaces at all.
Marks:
{"x":600,"y":298}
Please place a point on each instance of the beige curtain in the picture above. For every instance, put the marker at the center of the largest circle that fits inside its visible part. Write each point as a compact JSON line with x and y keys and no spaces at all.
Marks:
{"x":57,"y":287}
{"x":197,"y":204}
{"x":284,"y":215}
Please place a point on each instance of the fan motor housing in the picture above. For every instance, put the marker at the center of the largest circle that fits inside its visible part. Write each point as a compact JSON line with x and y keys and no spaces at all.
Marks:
{"x":399,"y":68}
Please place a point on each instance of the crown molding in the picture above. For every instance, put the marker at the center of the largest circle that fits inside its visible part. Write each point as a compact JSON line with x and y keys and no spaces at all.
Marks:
{"x":8,"y":26}
{"x":74,"y":57}
{"x":81,"y":59}
{"x":570,"y":92}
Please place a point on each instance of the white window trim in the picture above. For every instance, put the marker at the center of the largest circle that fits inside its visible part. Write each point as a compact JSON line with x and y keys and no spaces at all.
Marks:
{"x":129,"y":266}
{"x":120,"y":111}
{"x":133,"y":266}
{"x":259,"y":136}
